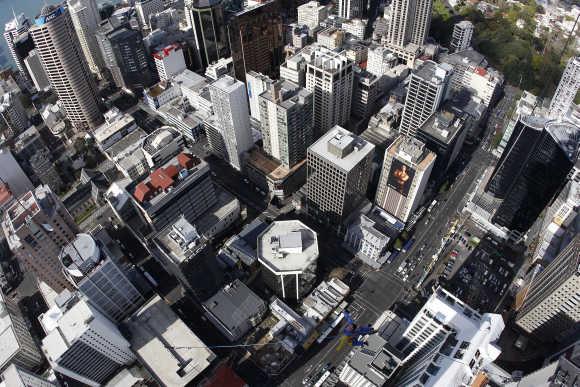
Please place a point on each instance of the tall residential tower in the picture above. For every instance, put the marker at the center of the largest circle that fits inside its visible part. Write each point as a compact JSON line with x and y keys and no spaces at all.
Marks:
{"x":62,"y":57}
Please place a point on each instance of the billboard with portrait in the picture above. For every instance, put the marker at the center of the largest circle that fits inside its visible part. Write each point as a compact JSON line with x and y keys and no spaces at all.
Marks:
{"x":400,"y":177}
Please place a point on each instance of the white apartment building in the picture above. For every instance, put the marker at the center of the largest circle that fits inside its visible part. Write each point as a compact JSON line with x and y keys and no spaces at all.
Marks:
{"x":427,"y":90}
{"x":462,"y":34}
{"x":287,"y":120}
{"x":330,"y":37}
{"x":329,"y":76}
{"x":355,"y":27}
{"x":567,"y":89}
{"x":230,"y":104}
{"x":406,"y":169}
{"x":83,"y":344}
{"x":86,"y":19}
{"x":169,"y":61}
{"x":311,"y":14}
{"x":146,"y":8}
{"x":380,"y":60}
{"x":16,"y":26}
{"x":256,"y":84}
{"x":350,"y":9}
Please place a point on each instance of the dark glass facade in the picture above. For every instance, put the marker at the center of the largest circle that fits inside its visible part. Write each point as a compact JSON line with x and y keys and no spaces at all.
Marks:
{"x":257,"y":40}
{"x":125,"y":56}
{"x":209,"y":29}
{"x":531,"y":170}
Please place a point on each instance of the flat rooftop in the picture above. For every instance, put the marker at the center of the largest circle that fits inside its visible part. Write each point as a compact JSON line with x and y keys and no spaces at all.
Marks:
{"x":444,"y":125}
{"x":127,"y":145}
{"x":270,"y":167}
{"x":433,"y":72}
{"x":234,"y":304}
{"x":227,"y":84}
{"x":159,"y":139}
{"x":158,"y":337}
{"x":409,"y":148}
{"x":287,"y":247}
{"x":341,"y":148}
{"x":108,"y":129}
{"x":190,"y":80}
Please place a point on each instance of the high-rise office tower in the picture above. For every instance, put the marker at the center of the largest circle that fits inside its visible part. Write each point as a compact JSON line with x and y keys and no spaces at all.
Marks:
{"x":206,"y":18}
{"x":410,"y":22}
{"x":146,"y":8}
{"x":256,"y":84}
{"x":329,"y":77}
{"x":339,"y":169}
{"x":63,"y":60}
{"x":84,"y":344}
{"x":18,"y":25}
{"x":93,"y":265}
{"x":36,"y":71}
{"x":352,"y":9}
{"x":427,"y":89}
{"x":18,"y":346}
{"x":85,"y":17}
{"x":230,"y":105}
{"x":124,"y":55}
{"x":404,"y":176}
{"x":567,"y":89}
{"x":37,"y":226}
{"x":312,"y":13}
{"x":462,"y":34}
{"x":169,"y":61}
{"x":256,"y":36}
{"x":551,"y":310}
{"x":531,"y":170}
{"x":13,"y":113}
{"x":287,"y":118}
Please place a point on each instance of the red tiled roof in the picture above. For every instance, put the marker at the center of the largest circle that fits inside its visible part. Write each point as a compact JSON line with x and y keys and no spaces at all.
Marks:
{"x":172,"y":171}
{"x":225,"y":376}
{"x":5,"y":193}
{"x":480,"y":71}
{"x":185,"y":160}
{"x":143,"y":192}
{"x":160,"y":179}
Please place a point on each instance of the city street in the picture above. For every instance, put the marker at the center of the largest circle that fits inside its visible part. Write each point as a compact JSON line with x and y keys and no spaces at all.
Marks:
{"x":381,"y":289}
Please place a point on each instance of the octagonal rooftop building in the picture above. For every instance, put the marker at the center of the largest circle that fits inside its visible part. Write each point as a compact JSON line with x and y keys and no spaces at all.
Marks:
{"x":288,"y":253}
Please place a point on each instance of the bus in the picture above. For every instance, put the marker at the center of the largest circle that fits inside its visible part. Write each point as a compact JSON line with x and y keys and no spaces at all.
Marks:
{"x":408,"y":245}
{"x":322,"y":379}
{"x":431,"y":206}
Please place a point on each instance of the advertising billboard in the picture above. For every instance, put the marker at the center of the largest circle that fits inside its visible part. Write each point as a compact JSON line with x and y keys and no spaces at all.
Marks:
{"x":400,"y":177}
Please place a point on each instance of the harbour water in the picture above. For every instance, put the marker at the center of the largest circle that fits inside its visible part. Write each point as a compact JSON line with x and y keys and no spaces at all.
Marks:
{"x":30,"y":8}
